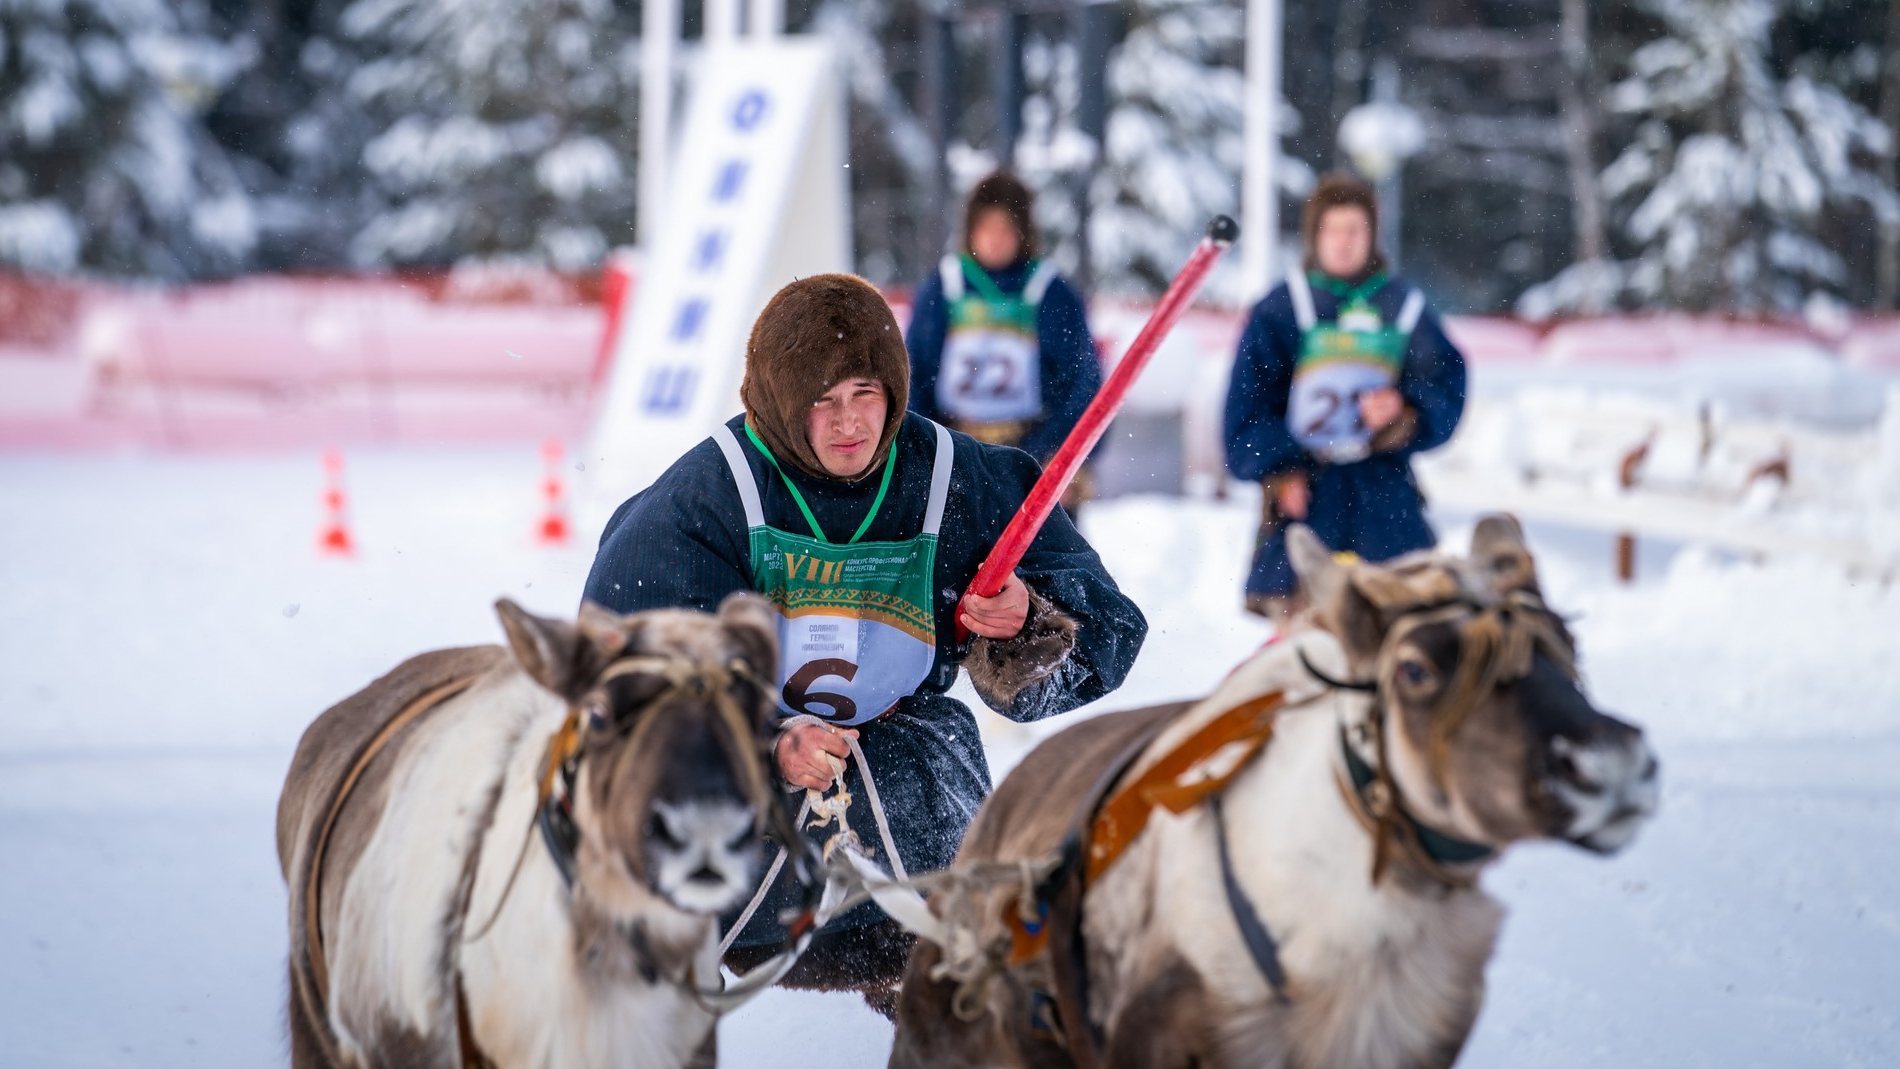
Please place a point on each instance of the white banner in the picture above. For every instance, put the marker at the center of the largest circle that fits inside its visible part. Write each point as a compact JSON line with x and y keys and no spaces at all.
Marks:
{"x":759,"y":197}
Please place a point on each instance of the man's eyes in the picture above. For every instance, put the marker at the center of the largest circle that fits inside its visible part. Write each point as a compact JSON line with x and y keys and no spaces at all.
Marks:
{"x":860,"y":395}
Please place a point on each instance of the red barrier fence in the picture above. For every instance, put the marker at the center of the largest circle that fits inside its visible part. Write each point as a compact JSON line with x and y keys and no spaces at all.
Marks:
{"x":272,"y":362}
{"x":279,"y":362}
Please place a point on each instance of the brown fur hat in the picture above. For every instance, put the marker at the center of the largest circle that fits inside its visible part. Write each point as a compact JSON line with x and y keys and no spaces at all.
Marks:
{"x":1007,"y":192}
{"x":1339,"y":190}
{"x":814,"y":334}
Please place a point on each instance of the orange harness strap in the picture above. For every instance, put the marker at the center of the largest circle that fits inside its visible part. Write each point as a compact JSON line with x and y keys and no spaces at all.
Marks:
{"x":1119,"y":820}
{"x":1123,"y":817}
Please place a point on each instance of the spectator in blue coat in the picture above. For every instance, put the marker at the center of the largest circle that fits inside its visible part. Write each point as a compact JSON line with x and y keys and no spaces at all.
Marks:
{"x":1343,"y":374}
{"x":999,"y":341}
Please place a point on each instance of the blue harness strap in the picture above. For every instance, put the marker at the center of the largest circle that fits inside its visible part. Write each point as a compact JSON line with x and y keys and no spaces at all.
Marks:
{"x":1253,"y":931}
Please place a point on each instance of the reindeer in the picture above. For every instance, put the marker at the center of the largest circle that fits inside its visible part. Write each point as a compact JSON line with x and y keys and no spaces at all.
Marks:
{"x":1285,"y":874}
{"x":517,"y":856}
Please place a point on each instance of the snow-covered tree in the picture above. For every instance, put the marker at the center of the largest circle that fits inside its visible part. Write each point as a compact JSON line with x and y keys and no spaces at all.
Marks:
{"x":507,"y":129}
{"x":1727,"y":184}
{"x":1174,"y":150}
{"x":103,"y":164}
{"x":293,"y":131}
{"x":893,"y":160}
{"x":1171,"y":155}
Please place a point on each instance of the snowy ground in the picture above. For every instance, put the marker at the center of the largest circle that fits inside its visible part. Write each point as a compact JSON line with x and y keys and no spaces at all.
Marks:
{"x":166,"y":631}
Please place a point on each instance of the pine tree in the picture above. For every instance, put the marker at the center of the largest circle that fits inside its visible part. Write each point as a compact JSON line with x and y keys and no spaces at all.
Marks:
{"x":507,"y":129}
{"x":103,"y":164}
{"x":1172,"y":152}
{"x":1733,"y":173}
{"x":1174,"y":149}
{"x":294,"y":133}
{"x":893,"y":161}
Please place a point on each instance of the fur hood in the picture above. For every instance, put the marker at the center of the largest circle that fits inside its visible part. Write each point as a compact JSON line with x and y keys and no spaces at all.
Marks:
{"x":814,"y":334}
{"x":1340,"y":190}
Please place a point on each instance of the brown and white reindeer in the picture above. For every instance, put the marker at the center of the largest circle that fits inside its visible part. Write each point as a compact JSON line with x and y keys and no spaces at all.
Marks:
{"x":517,"y":856}
{"x":1285,"y":873}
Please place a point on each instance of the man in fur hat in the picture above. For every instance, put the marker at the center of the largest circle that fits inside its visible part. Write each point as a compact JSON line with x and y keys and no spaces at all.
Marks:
{"x":1342,"y":375}
{"x":999,"y":341}
{"x":828,"y":496}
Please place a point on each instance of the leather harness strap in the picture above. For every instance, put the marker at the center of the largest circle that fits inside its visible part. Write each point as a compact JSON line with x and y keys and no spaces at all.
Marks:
{"x":1104,"y":830}
{"x":472,"y":1056}
{"x":1260,"y":943}
{"x":313,"y":902}
{"x":1374,"y":800}
{"x":1125,"y":815}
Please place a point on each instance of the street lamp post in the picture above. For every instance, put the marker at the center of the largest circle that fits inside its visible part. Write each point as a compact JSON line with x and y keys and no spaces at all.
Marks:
{"x":1380,"y":135}
{"x":1259,"y":194}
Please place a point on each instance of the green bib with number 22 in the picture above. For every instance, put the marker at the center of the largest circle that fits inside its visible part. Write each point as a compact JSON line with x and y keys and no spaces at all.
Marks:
{"x":857,"y":628}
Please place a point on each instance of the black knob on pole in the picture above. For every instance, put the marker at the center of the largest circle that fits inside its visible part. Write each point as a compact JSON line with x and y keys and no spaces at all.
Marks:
{"x":1223,"y":230}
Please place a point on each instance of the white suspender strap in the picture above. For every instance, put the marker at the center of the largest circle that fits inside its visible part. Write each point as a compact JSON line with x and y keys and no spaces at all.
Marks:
{"x":939,"y":480}
{"x":741,"y":475}
{"x":1408,"y":314}
{"x":1302,"y":296}
{"x":1038,"y":283}
{"x":951,"y":271}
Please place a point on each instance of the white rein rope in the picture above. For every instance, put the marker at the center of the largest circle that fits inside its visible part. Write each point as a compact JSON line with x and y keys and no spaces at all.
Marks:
{"x":830,"y":810}
{"x":853,"y":878}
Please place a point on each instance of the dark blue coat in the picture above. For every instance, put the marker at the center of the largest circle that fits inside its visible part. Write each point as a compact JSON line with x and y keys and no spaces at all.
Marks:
{"x":1071,"y":369}
{"x":1371,"y":507}
{"x":682,"y":543}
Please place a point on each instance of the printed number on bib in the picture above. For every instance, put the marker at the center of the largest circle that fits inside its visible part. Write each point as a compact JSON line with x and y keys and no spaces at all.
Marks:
{"x":990,"y":375}
{"x":836,"y":708}
{"x":1334,"y":416}
{"x":1323,"y":411}
{"x":987,"y":375}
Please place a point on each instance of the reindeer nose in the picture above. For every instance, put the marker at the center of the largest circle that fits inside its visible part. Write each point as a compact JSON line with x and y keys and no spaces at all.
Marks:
{"x":1610,"y":781}
{"x":1606,"y":753}
{"x":1652,"y":768}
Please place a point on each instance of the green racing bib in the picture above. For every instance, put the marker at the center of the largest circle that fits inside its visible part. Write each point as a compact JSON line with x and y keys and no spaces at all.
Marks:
{"x":857,"y":627}
{"x":1341,"y":360}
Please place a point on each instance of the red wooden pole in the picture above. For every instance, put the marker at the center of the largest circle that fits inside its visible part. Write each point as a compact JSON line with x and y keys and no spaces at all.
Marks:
{"x":1023,"y":527}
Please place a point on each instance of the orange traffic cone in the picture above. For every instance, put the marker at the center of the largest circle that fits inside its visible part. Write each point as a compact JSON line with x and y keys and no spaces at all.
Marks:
{"x":552,"y":531}
{"x":335,"y":539}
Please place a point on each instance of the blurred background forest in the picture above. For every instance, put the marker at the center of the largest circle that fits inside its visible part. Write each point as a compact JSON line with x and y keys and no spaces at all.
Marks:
{"x":1576,"y":157}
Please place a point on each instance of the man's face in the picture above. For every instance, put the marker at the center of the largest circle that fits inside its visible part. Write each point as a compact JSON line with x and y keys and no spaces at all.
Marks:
{"x":1343,"y":242}
{"x":993,"y":239}
{"x":845,"y":424}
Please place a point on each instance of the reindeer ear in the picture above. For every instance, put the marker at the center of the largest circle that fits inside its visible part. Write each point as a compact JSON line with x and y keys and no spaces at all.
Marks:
{"x":749,"y":620}
{"x":1319,"y":573}
{"x":610,"y":633}
{"x":1498,"y":549}
{"x":1340,"y":606}
{"x":548,"y":650}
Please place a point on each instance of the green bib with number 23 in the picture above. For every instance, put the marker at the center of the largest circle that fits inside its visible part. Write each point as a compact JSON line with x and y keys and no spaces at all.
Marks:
{"x":1340,"y":361}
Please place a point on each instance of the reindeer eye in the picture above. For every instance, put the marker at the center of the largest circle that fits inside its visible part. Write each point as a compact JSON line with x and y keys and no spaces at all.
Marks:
{"x":1413,"y":674}
{"x":597,"y":713}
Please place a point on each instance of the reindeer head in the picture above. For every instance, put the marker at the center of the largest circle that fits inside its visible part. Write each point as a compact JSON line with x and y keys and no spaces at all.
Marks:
{"x":1485,"y":732}
{"x":669,"y":734}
